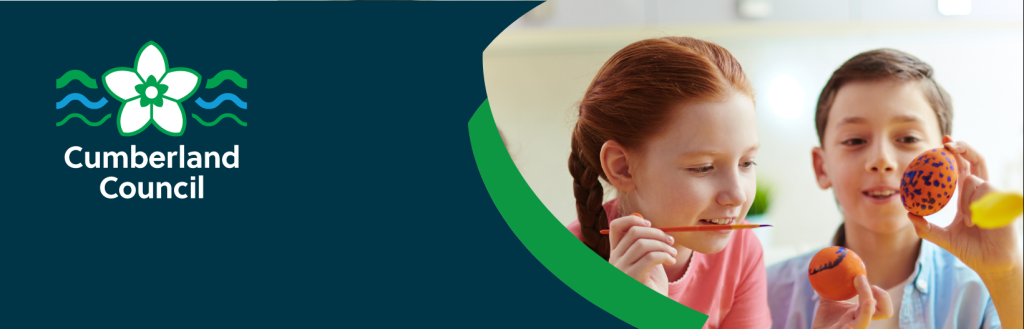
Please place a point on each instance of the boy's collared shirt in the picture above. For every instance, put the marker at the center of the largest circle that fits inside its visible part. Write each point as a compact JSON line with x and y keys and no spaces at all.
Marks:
{"x":943,"y":293}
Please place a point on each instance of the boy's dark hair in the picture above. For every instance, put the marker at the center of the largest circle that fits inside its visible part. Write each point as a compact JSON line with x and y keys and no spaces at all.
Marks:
{"x":883,"y":64}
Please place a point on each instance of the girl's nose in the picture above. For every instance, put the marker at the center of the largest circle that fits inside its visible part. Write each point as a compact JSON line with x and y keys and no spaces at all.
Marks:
{"x":732,"y":193}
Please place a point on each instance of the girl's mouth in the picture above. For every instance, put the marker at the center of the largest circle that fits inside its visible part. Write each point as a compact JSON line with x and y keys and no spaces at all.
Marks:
{"x":716,"y":221}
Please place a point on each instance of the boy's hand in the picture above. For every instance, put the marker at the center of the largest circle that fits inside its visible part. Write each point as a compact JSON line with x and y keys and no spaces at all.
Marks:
{"x":641,"y":251}
{"x":873,"y":304}
{"x":989,"y":252}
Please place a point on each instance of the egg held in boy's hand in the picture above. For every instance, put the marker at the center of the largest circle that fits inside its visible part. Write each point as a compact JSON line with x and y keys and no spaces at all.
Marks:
{"x":832,"y":271}
{"x":928,"y":183}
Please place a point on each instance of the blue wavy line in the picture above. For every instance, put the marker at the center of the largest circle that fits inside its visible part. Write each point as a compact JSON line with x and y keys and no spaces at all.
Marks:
{"x":220,"y":99}
{"x":81,"y":98}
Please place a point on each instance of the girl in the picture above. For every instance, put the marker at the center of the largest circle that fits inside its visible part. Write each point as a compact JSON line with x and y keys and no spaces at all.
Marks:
{"x":879,"y":111}
{"x":669,"y":123}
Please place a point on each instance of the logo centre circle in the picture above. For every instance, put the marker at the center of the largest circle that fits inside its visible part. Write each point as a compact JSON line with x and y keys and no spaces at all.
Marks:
{"x":151,"y":92}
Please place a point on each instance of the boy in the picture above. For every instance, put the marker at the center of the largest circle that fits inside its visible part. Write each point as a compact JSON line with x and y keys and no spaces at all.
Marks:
{"x":878,"y":112}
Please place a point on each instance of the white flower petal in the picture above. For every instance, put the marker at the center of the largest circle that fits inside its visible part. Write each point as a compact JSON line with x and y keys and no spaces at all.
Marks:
{"x":151,"y":62}
{"x":132,"y":117}
{"x":180,"y":84}
{"x":122,"y":84}
{"x":169,"y":117}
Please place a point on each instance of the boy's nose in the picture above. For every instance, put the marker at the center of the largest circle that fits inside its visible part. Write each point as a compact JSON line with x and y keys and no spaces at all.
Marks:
{"x":881,"y":161}
{"x":886,"y":167}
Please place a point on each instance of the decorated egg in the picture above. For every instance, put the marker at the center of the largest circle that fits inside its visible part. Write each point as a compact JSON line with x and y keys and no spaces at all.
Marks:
{"x":832,"y":271}
{"x":928,"y":182}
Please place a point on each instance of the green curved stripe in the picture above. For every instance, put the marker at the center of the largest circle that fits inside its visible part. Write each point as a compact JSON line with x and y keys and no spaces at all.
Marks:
{"x":87,"y":122}
{"x":76,"y":75}
{"x":217,"y":120}
{"x":227,"y":75}
{"x":555,"y":247}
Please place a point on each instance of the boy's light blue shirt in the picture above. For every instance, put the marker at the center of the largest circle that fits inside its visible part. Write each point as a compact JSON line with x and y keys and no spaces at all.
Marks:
{"x":944,"y":293}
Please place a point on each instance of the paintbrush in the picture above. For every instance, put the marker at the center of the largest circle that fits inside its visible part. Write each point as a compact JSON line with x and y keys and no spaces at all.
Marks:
{"x":699,"y":228}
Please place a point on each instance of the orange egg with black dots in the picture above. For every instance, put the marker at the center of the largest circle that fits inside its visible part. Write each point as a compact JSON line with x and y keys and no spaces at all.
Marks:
{"x":832,"y":271}
{"x":928,"y":182}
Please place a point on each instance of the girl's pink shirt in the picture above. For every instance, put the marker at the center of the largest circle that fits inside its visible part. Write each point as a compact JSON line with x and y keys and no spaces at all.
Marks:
{"x":729,"y":286}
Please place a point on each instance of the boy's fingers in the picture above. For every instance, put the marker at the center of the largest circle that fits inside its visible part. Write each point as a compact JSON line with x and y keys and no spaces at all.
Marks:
{"x":863,"y":288}
{"x":968,"y":191}
{"x":978,"y":166}
{"x":863,"y":319}
{"x":977,"y":162}
{"x":883,"y":310}
{"x":928,"y":231}
{"x":867,"y":302}
{"x":963,"y":167}
{"x":619,"y":226}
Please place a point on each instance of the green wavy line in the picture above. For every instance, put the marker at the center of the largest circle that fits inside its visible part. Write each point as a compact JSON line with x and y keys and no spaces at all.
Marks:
{"x":87,"y":122}
{"x":556,"y":248}
{"x":227,"y":75}
{"x":76,"y":75}
{"x":217,"y":120}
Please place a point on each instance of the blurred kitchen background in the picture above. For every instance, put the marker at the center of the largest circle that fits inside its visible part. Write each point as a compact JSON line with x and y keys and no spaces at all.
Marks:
{"x":537,"y":70}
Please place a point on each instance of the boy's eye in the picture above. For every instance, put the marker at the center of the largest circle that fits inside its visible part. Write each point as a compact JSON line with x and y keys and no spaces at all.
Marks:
{"x":854,"y":141}
{"x":748,"y":164}
{"x":909,"y":140}
{"x":701,"y":170}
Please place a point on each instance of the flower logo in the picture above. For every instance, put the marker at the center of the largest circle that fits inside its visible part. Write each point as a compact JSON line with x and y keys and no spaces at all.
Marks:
{"x":151,"y":92}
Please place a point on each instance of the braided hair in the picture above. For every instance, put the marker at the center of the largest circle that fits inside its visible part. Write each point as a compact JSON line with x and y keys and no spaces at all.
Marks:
{"x":629,"y":101}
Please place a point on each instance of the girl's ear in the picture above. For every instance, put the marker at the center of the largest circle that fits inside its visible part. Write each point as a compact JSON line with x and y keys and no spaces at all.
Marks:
{"x":615,"y":163}
{"x":818,"y":157}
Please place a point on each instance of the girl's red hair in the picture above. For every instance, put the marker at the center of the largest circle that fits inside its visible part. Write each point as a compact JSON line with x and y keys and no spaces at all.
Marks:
{"x":630,"y":100}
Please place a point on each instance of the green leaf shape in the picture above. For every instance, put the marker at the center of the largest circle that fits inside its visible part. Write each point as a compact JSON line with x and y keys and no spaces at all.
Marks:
{"x":554,"y":246}
{"x":227,"y":75}
{"x":79,"y":75}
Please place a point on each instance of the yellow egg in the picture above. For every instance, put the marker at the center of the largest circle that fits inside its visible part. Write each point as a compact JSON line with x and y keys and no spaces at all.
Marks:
{"x":997,"y":209}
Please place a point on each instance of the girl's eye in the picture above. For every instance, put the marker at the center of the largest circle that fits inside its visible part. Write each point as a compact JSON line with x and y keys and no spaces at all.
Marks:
{"x":748,"y":164}
{"x":854,"y":142}
{"x":701,"y":170}
{"x":909,"y":140}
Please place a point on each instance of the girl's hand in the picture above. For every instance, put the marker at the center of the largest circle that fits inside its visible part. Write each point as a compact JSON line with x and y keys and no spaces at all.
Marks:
{"x":989,"y":252}
{"x":641,"y":251}
{"x":874,"y":304}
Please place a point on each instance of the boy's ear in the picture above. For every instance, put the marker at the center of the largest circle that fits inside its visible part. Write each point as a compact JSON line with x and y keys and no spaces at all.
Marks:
{"x":818,"y":157}
{"x":615,"y":163}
